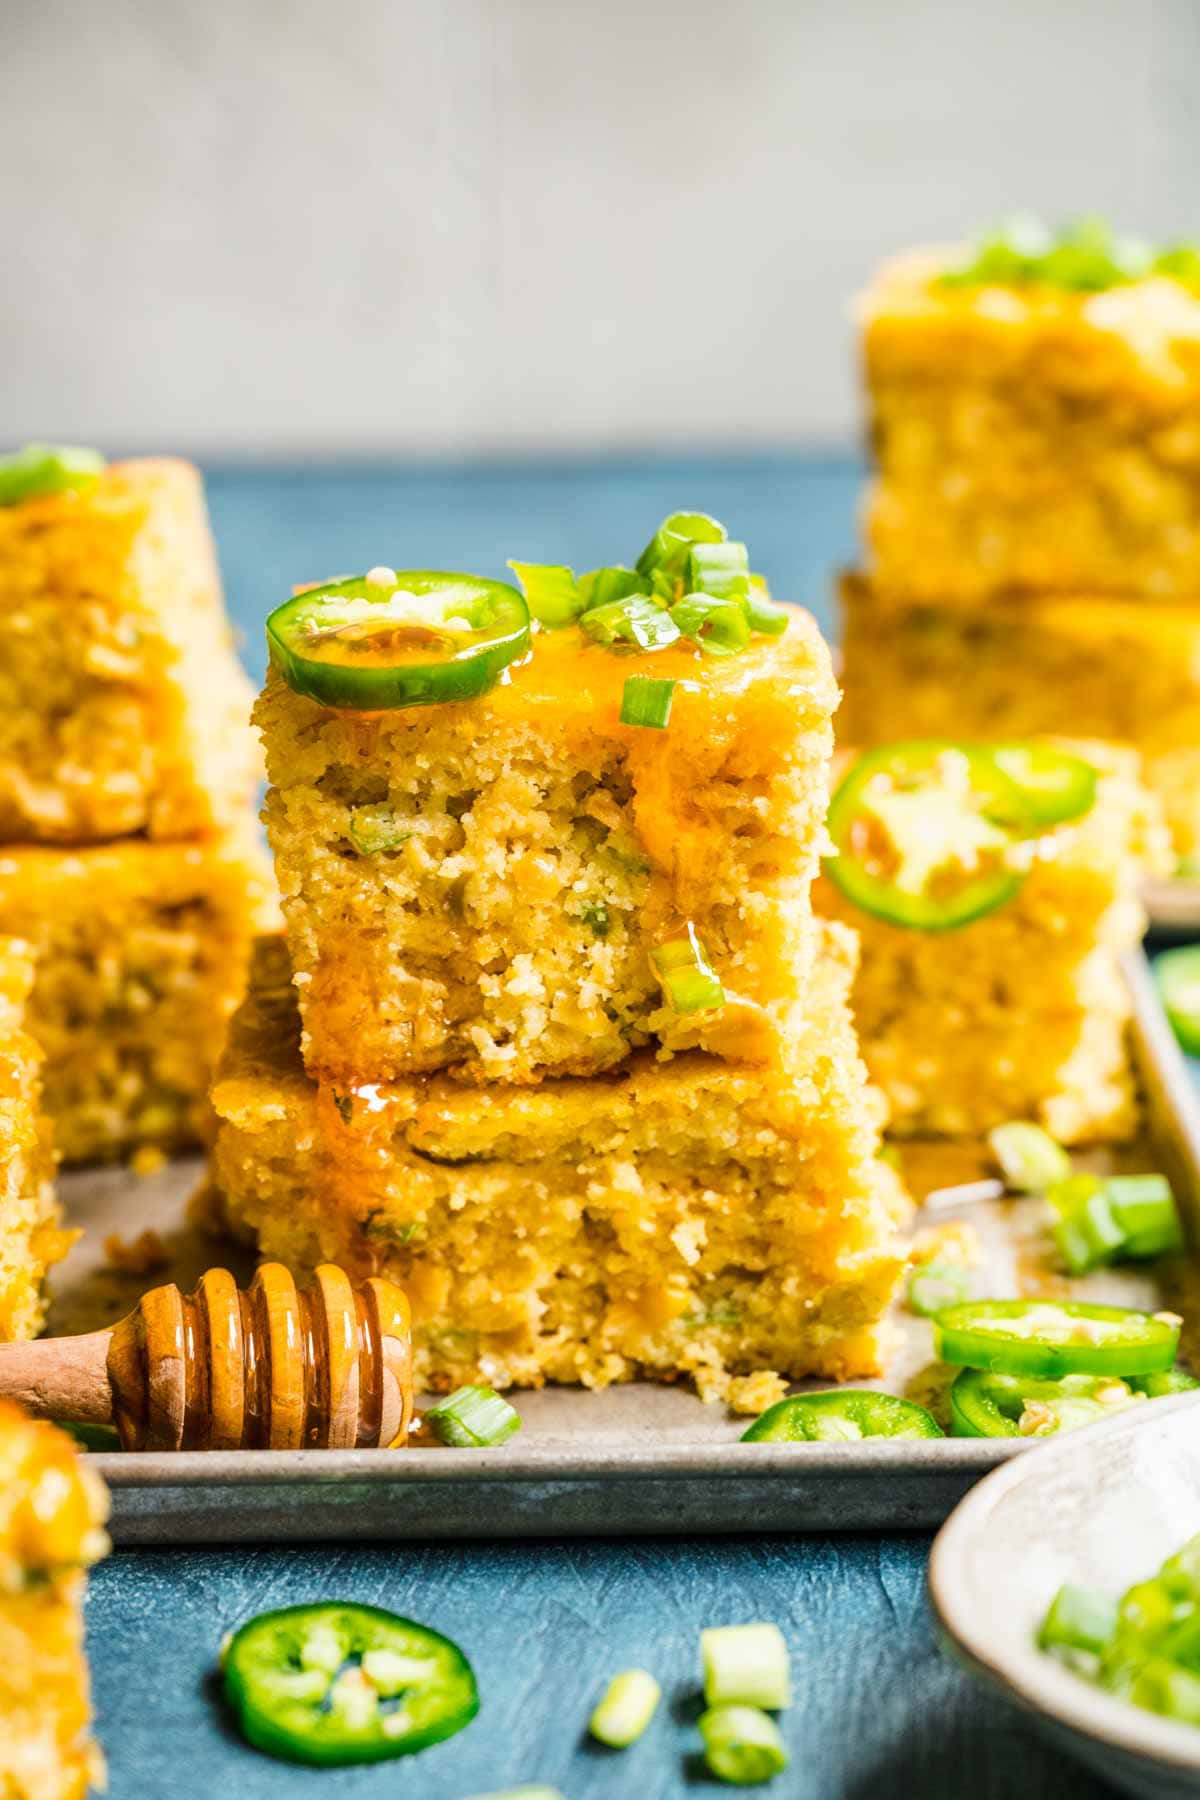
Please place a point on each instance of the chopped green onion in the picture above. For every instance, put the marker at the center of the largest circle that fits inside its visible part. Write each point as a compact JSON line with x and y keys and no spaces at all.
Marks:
{"x":1009,"y":254}
{"x":1088,"y":1234}
{"x":718,"y":626}
{"x":600,"y":586}
{"x":1167,"y":1688}
{"x":668,"y":549}
{"x":937,"y":1285}
{"x":1083,"y":257}
{"x":1079,"y":1619}
{"x":720,"y":570}
{"x":1101,"y":1222}
{"x":521,"y":1793}
{"x":41,"y":469}
{"x":745,"y":1665}
{"x":375,"y":829}
{"x":1145,"y":1209}
{"x":647,"y":701}
{"x":634,"y":620}
{"x":594,"y":914}
{"x":742,"y":1745}
{"x":626,"y":1709}
{"x":1178,"y":975}
{"x":762,"y":611}
{"x":551,"y":592}
{"x":1180,"y":1574}
{"x":473,"y":1418}
{"x":688,"y":979}
{"x":1029,"y":1158}
{"x":1182,"y":261}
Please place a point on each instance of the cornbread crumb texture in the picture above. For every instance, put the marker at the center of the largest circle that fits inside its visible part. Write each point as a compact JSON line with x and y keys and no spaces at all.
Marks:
{"x":1128,"y":674}
{"x":31,"y":1235}
{"x":123,"y":707}
{"x":479,"y":885}
{"x":52,"y":1513}
{"x":1032,"y":440}
{"x":1023,"y":1013}
{"x":689,"y":1218}
{"x":141,"y":951}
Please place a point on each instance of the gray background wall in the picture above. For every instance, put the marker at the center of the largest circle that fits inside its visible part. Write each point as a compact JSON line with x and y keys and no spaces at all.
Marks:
{"x":480,"y":225}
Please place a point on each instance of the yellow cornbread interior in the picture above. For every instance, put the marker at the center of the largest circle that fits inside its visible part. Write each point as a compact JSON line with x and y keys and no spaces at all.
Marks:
{"x":141,"y":952}
{"x":1031,"y":440}
{"x":1022,"y":1013}
{"x":52,"y":1514}
{"x":1122,"y":672}
{"x":31,"y":1236}
{"x":540,"y":850}
{"x":689,"y":1218}
{"x":123,"y":707}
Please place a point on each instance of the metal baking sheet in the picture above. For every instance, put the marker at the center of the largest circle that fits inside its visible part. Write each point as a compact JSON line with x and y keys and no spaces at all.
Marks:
{"x":639,"y":1459}
{"x":1173,"y":905}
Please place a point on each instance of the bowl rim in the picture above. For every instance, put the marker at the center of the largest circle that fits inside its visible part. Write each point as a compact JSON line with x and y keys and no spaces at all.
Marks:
{"x":1039,"y":1683}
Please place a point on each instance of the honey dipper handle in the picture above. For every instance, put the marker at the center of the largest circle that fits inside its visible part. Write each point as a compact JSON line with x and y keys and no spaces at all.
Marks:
{"x":60,"y":1378}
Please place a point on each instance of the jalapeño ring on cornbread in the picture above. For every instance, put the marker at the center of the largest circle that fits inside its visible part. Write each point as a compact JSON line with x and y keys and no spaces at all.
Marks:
{"x":384,"y":639}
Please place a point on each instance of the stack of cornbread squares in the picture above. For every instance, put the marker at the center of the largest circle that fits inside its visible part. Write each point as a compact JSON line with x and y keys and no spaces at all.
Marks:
{"x":131,"y":884}
{"x":460,"y":1068}
{"x":1032,"y":574}
{"x":1033,"y":529}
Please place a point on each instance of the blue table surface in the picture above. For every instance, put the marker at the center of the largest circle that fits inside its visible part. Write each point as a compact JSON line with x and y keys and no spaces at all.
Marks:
{"x":879,"y":1711}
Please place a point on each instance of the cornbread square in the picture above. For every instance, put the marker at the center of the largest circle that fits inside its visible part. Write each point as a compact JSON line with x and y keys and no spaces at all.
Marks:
{"x":1113,"y":670}
{"x":1031,"y":440}
{"x":479,"y":885}
{"x":123,"y":707}
{"x":687,"y":1218}
{"x":141,"y":952}
{"x":1022,"y":1013}
{"x":52,"y":1513}
{"x":31,"y":1236}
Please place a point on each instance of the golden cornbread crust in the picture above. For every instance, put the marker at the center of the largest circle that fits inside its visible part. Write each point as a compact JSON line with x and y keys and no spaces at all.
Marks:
{"x":1031,"y":440}
{"x":542,"y":851}
{"x":1022,"y":1014}
{"x":690,"y":1218}
{"x":1127,"y":673}
{"x":52,"y":1514}
{"x":31,"y":1235}
{"x":123,"y":707}
{"x":141,"y":951}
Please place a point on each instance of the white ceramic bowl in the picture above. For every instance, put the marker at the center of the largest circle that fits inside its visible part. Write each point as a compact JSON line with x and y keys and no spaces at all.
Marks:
{"x":1103,"y":1507}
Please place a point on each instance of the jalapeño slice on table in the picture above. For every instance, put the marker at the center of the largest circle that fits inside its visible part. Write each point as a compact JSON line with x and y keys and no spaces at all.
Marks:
{"x":841,"y":1416}
{"x":410,"y":639}
{"x":984,"y":1403}
{"x":1056,"y":785}
{"x":927,"y":834}
{"x":338,"y":1683}
{"x":1052,"y":1338}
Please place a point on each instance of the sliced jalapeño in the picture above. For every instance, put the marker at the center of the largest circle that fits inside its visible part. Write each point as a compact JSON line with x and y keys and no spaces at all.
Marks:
{"x":386,"y":640}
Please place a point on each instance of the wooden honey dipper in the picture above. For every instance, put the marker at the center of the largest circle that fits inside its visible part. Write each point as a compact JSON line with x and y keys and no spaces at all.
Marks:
{"x":271,"y":1368}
